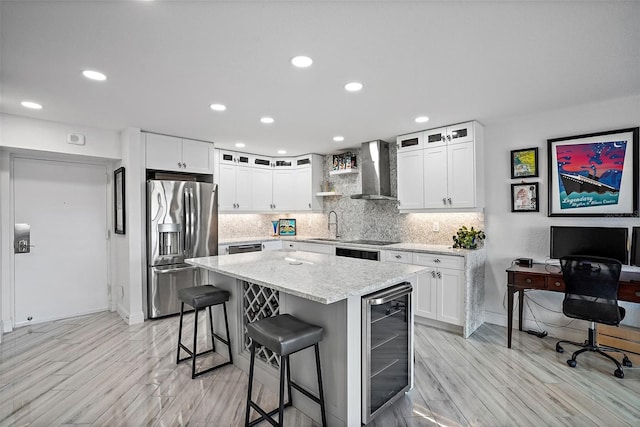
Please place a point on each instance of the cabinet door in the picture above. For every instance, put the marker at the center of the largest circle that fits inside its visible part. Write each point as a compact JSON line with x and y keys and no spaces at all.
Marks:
{"x":163,"y":152}
{"x":450,"y":297}
{"x":410,"y":180}
{"x":318,"y":248}
{"x":462,"y":132}
{"x":272,"y":245}
{"x":302,"y":189}
{"x":409,"y":142}
{"x":425,"y":293}
{"x":461,"y":175}
{"x":283,"y":190}
{"x":243,"y":188}
{"x":435,"y":177}
{"x":261,"y":190}
{"x":434,"y":138}
{"x":227,"y":187}
{"x":196,"y":156}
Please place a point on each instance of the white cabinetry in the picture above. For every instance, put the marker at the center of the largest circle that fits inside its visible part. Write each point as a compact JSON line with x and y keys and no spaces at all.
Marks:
{"x":234,"y":180}
{"x":318,"y":248}
{"x":440,"y":293}
{"x":169,"y":153}
{"x":261,"y":184}
{"x":448,"y":161}
{"x":272,"y":245}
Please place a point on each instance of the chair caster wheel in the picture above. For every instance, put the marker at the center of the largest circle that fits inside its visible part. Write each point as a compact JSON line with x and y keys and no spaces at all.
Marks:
{"x":572,"y":363}
{"x":559,"y":349}
{"x":626,"y":362}
{"x":618,"y":373}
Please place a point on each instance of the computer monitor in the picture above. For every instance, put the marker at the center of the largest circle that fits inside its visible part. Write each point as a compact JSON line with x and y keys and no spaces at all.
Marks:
{"x":609,"y":242}
{"x":635,"y":246}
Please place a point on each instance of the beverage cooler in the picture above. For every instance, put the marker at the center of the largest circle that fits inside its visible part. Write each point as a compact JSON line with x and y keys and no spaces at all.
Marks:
{"x":387,"y":338}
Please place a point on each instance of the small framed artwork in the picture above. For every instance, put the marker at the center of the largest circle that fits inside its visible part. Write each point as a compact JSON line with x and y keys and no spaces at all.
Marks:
{"x":524,"y":163}
{"x":118,"y":201}
{"x":524,"y":197}
{"x":594,"y":174}
{"x":287,"y":227}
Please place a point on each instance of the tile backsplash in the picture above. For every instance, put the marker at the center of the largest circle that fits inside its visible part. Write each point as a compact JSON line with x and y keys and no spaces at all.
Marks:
{"x":357,"y":219}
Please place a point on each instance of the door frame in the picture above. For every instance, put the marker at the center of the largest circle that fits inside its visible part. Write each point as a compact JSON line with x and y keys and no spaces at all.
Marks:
{"x":7,"y":220}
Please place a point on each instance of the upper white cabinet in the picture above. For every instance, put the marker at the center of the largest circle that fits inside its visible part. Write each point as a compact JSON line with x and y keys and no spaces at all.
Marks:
{"x":234,"y":181}
{"x":170,"y":153}
{"x":264,"y":184}
{"x":442,"y":168}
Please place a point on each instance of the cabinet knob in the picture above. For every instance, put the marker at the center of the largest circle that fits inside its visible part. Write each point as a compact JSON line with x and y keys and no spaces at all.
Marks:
{"x":439,"y":275}
{"x":449,"y":200}
{"x":557,"y":283}
{"x":179,"y":164}
{"x":184,"y":165}
{"x":398,"y":256}
{"x":309,"y":205}
{"x":444,"y":200}
{"x":528,"y":280}
{"x":433,"y":274}
{"x":448,"y":137}
{"x":436,"y":260}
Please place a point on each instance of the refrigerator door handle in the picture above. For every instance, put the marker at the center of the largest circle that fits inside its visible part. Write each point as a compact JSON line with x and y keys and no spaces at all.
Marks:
{"x":191,"y":219}
{"x":187,"y":223}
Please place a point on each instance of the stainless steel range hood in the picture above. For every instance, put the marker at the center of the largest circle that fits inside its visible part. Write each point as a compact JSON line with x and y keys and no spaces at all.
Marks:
{"x":376,"y":175}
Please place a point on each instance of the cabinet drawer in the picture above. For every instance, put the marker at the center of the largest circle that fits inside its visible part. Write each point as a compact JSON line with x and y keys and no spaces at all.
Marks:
{"x":555,"y":284}
{"x":399,"y":256}
{"x":437,"y":260}
{"x":530,"y":281}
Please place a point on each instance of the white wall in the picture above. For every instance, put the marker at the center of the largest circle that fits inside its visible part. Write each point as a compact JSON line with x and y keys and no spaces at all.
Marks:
{"x":514,"y":235}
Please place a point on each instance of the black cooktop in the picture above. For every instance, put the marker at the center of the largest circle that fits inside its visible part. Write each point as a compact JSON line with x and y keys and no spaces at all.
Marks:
{"x":370,"y":242}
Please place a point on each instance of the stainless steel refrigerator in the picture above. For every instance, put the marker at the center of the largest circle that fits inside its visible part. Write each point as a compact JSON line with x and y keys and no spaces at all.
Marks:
{"x":182,"y":222}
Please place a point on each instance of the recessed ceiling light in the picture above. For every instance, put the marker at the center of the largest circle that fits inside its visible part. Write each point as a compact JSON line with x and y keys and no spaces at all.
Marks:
{"x":267,"y":120}
{"x":422,"y":119}
{"x":217,"y":107}
{"x":301,"y":61}
{"x":338,"y":138}
{"x":32,"y":105}
{"x":94,"y":75}
{"x":240,"y":144}
{"x":353,"y":86}
{"x":282,"y":151}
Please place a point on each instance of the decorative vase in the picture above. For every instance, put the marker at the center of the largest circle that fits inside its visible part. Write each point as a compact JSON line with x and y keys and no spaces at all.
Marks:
{"x":275,"y":227}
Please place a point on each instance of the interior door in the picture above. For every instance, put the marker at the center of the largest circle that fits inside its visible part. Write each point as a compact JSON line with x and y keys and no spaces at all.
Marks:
{"x":65,"y":272}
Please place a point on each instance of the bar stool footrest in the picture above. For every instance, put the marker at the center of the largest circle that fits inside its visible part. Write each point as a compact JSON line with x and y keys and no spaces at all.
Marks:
{"x":266,"y":416}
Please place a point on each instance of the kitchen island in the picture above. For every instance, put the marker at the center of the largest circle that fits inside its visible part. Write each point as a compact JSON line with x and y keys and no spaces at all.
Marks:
{"x":322,"y":289}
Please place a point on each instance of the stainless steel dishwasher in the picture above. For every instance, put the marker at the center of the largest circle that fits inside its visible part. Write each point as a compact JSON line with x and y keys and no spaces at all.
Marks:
{"x":239,"y":249}
{"x":386,"y":348}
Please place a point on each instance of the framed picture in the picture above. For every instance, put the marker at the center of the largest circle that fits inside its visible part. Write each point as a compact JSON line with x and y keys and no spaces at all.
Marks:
{"x":524,"y":197}
{"x":594,"y":174}
{"x":287,"y":227}
{"x":524,"y":163}
{"x":118,"y":201}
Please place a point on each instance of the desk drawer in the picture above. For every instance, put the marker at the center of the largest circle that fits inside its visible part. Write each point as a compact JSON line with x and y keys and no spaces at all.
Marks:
{"x":629,"y":292}
{"x":530,"y":281}
{"x":555,"y":284}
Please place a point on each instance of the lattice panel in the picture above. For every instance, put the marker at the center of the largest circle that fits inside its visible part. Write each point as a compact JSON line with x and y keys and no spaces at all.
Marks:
{"x":259,"y":302}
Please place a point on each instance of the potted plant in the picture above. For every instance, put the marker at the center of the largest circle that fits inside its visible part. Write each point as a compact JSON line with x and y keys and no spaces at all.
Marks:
{"x":468,"y":238}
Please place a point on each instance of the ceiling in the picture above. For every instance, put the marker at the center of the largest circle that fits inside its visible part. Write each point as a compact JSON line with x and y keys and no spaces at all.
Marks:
{"x":167,"y":61}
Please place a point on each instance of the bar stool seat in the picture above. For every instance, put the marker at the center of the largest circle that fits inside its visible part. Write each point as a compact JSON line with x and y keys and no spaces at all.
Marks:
{"x":201,"y":297}
{"x":284,"y":335}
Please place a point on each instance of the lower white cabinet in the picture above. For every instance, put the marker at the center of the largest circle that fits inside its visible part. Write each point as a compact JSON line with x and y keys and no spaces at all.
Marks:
{"x":272,"y":245}
{"x":439,"y":292}
{"x":318,"y":248}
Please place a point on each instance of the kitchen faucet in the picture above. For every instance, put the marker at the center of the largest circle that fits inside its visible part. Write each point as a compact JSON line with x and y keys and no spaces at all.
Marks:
{"x":336,"y":223}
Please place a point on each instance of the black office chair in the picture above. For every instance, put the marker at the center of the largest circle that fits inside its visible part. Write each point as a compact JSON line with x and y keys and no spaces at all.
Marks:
{"x":591,"y":294}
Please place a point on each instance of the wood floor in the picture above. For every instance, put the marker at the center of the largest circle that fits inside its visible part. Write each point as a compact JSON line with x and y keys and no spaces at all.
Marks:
{"x":95,"y":370}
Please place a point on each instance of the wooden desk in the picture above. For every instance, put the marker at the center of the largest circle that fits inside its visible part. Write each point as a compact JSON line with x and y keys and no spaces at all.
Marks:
{"x":549,"y":278}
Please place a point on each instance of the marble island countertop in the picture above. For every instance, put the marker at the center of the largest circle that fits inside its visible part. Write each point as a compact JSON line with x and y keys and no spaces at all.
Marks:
{"x":322,"y":278}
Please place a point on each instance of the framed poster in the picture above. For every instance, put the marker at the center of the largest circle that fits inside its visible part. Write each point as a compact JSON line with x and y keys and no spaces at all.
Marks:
{"x":118,"y":201}
{"x":524,"y":163}
{"x":287,"y":227}
{"x":524,"y":197}
{"x":594,"y":174}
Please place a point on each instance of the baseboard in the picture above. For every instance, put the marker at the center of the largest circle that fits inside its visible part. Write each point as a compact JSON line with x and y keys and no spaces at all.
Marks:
{"x":136,"y":318}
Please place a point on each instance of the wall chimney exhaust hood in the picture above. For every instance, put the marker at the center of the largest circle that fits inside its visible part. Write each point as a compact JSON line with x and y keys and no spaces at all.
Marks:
{"x":376,"y":175}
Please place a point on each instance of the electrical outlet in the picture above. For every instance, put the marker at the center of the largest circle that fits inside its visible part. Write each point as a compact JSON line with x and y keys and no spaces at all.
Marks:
{"x":436,"y":226}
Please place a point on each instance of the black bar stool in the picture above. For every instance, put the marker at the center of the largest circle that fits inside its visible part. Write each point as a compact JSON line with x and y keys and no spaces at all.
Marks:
{"x":284,"y":335}
{"x":200,"y":297}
